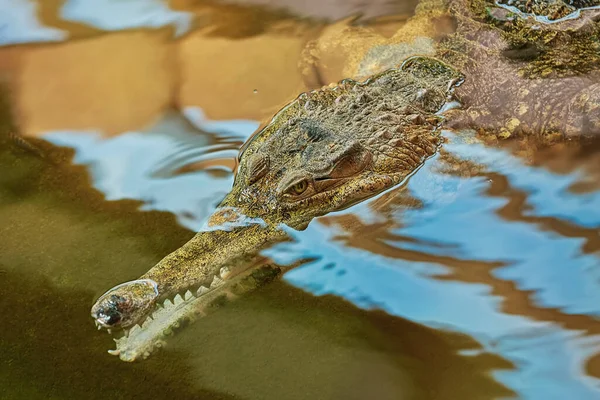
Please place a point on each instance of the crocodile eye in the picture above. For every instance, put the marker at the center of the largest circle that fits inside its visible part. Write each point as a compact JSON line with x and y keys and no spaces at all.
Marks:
{"x":299,"y":187}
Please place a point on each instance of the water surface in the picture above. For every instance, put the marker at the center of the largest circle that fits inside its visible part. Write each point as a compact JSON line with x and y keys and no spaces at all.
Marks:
{"x":479,"y":278}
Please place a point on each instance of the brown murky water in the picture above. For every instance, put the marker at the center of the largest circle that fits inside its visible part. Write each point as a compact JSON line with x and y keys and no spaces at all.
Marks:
{"x":478,"y":279}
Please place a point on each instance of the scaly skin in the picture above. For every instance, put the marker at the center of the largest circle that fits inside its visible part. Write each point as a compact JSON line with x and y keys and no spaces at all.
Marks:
{"x":323,"y":152}
{"x":521,"y":81}
{"x":522,"y":77}
{"x":335,"y":147}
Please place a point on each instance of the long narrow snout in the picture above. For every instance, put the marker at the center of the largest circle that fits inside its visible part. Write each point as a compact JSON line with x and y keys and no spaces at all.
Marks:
{"x":228,"y":245}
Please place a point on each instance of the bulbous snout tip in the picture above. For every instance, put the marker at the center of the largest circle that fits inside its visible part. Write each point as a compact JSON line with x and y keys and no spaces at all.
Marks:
{"x":125,"y":305}
{"x":108,"y":312}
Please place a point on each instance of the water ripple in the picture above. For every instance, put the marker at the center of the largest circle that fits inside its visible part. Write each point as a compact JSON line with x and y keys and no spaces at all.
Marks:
{"x":503,"y":252}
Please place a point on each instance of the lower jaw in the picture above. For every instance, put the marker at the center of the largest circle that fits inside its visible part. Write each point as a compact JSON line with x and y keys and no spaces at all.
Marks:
{"x":141,"y":341}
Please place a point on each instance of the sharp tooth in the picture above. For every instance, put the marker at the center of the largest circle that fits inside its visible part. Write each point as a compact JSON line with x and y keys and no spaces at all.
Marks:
{"x":109,"y":331}
{"x":216,"y":282}
{"x":202,"y":290}
{"x":134,"y":329}
{"x":178,"y":299}
{"x":224,"y":272}
{"x":99,"y":327}
{"x":167,"y":303}
{"x":114,"y":352}
{"x":188,"y":295}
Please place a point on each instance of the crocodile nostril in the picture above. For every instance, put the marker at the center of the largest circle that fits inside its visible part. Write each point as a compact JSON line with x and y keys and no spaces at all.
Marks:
{"x":108,"y":315}
{"x":113,"y":319}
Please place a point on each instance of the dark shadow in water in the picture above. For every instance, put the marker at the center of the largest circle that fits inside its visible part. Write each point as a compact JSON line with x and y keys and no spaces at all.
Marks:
{"x":51,"y":350}
{"x":67,"y":187}
{"x":63,"y":244}
{"x":298,"y":331}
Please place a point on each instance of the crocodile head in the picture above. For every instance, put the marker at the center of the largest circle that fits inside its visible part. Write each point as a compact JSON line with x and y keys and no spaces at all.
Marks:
{"x":335,"y":147}
{"x":308,"y":168}
{"x":311,"y":167}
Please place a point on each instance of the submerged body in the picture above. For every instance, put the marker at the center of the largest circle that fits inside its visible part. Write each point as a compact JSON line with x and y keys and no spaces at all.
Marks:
{"x":337,"y":146}
{"x":524,"y":77}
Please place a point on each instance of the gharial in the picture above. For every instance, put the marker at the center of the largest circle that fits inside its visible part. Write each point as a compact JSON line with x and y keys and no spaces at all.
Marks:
{"x":508,"y":69}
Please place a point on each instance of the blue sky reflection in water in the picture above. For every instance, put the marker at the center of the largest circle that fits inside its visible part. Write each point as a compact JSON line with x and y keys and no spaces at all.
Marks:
{"x":19,"y":22}
{"x":452,"y":261}
{"x":144,"y":165}
{"x":112,"y":15}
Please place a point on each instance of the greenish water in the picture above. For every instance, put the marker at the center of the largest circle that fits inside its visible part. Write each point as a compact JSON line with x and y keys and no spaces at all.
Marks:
{"x":62,"y":245}
{"x":477,"y":279}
